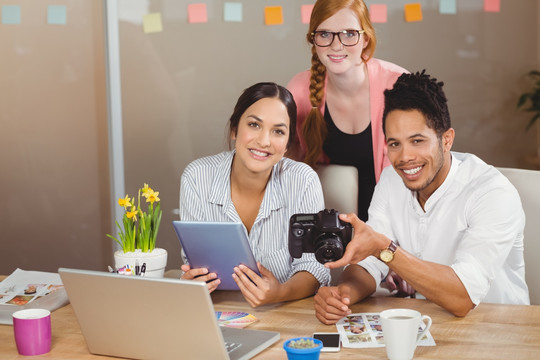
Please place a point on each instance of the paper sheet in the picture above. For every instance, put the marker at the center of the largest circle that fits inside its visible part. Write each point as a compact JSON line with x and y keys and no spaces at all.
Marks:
{"x":364,"y":330}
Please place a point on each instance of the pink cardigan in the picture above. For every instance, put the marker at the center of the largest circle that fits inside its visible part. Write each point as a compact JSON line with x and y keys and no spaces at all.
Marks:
{"x":382,"y":75}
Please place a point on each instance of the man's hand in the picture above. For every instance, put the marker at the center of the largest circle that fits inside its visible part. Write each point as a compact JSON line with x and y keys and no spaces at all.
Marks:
{"x":364,"y":243}
{"x":395,"y":282}
{"x":332,"y":303}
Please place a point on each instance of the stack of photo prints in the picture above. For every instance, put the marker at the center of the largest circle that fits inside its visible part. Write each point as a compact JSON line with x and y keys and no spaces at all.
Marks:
{"x":23,"y":287}
{"x":30,"y":289}
{"x":364,"y":330}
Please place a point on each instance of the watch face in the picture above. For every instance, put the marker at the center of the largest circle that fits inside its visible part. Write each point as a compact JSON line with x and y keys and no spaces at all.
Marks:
{"x":386,"y":255}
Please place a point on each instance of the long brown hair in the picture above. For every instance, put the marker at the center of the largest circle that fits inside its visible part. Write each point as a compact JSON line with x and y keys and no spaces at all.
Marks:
{"x":314,"y":128}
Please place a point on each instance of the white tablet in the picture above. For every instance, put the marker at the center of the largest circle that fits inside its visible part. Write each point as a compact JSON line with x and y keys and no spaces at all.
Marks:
{"x":217,"y":246}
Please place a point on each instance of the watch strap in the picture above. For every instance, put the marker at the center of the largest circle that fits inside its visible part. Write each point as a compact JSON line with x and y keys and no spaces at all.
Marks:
{"x":393,"y":246}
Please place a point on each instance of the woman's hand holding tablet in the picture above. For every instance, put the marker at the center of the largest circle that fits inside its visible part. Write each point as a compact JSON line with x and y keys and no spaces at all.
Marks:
{"x":218,"y":247}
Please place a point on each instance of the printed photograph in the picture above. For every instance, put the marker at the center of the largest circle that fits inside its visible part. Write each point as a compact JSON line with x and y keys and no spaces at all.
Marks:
{"x":355,"y":329}
{"x":33,"y":288}
{"x":373,"y":317}
{"x":362,"y":338}
{"x":53,"y":288}
{"x":20,"y":300}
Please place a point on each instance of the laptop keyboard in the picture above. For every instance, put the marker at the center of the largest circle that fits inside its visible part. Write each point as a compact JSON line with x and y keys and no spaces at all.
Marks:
{"x":232,"y":346}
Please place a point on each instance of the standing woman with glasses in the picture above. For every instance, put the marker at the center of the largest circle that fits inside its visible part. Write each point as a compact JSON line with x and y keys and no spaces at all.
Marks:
{"x":340,"y":100}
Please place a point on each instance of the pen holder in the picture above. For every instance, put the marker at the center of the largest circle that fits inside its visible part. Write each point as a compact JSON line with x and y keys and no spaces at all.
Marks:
{"x":155,"y":261}
{"x":303,"y":353}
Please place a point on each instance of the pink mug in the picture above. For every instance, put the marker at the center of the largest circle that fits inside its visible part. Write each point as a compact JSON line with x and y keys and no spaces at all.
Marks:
{"x":32,"y":328}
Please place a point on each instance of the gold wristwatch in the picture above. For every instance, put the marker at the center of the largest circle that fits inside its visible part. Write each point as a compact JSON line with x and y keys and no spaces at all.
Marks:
{"x":387,"y":255}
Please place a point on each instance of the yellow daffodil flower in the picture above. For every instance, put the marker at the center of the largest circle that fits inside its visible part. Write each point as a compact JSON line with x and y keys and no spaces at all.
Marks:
{"x":146,"y":190}
{"x":152,"y":196}
{"x":131,"y":214}
{"x":125,"y":202}
{"x":139,"y":226}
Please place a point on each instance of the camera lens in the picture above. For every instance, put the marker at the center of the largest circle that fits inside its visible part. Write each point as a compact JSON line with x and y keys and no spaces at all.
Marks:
{"x":328,"y":254}
{"x":328,"y":248}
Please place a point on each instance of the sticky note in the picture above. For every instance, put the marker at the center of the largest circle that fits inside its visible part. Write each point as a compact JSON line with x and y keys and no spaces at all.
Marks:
{"x":56,"y":14}
{"x":378,"y":13}
{"x":232,"y":11}
{"x":413,"y":12}
{"x":197,"y":13}
{"x":447,"y":7}
{"x":273,"y":15}
{"x":492,"y":5}
{"x":152,"y":23}
{"x":11,"y":14}
{"x":306,"y":13}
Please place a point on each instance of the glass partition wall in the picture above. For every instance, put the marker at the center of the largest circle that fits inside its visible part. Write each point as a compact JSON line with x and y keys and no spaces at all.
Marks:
{"x":180,"y":81}
{"x":179,"y":84}
{"x":55,"y":203}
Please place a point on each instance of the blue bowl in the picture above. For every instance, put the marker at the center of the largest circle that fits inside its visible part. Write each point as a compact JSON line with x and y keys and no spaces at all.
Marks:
{"x":303,"y":354}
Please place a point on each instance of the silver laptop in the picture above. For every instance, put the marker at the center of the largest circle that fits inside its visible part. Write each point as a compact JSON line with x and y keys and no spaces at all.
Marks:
{"x":148,"y":318}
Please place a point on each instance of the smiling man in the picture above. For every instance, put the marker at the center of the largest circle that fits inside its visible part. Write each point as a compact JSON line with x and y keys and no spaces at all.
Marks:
{"x":441,"y":223}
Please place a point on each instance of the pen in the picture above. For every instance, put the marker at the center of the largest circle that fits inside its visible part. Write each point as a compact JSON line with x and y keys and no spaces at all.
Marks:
{"x":143,"y":269}
{"x":137,"y":268}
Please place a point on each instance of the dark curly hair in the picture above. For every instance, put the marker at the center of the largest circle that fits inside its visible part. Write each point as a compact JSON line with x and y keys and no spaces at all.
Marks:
{"x":419,"y":91}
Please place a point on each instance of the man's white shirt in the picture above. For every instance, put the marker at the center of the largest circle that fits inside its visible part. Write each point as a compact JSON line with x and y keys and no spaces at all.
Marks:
{"x":473,"y":222}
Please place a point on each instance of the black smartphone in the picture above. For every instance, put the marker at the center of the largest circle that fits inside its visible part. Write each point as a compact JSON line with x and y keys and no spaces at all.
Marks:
{"x":331,"y":341}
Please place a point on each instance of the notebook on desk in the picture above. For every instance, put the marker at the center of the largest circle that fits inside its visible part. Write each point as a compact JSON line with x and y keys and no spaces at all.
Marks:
{"x":154,"y":318}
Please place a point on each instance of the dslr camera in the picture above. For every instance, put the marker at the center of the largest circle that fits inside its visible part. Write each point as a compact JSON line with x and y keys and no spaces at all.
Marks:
{"x":322,"y":233}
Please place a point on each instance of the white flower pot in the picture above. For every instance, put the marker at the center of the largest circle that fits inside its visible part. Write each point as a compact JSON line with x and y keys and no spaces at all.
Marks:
{"x":155,"y":260}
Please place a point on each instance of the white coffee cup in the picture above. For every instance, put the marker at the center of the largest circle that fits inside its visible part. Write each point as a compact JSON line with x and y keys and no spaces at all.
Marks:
{"x":401,"y":332}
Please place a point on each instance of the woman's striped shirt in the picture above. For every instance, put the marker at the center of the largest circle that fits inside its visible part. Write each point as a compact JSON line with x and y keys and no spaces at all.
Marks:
{"x":293,"y":187}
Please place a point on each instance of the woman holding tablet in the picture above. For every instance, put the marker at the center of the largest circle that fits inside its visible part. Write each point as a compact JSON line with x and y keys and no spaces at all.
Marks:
{"x":256,"y":185}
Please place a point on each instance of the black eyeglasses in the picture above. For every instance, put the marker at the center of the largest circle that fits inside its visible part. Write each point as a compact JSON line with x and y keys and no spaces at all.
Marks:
{"x":346,"y":37}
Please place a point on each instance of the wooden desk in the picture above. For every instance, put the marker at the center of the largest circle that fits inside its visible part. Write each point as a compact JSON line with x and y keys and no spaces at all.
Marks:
{"x":489,"y":332}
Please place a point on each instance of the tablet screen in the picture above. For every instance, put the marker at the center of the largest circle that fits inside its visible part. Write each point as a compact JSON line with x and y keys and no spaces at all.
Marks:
{"x":217,"y":246}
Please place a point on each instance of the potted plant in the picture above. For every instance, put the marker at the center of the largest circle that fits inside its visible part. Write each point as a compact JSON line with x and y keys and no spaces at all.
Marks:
{"x":303,"y":348}
{"x":138,"y":233}
{"x":530,"y":101}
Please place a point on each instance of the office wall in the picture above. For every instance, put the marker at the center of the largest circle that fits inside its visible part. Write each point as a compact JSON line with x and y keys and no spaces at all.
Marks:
{"x":179,"y":88}
{"x":54,"y":203}
{"x":180,"y":85}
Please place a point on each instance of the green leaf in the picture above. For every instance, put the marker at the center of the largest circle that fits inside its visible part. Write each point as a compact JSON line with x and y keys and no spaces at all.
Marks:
{"x":532,"y":99}
{"x":115,"y":239}
{"x":533,"y":120}
{"x":522,"y":100}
